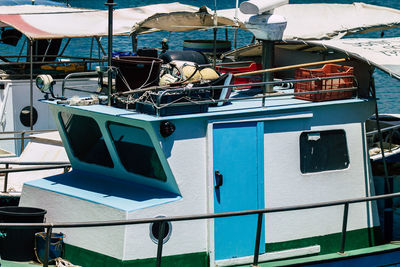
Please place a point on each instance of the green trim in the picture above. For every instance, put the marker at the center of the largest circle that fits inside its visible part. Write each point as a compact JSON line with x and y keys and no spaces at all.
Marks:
{"x":333,"y":256}
{"x":88,"y":258}
{"x":355,"y":239}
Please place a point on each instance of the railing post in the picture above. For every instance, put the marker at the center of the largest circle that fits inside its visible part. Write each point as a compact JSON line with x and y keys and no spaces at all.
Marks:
{"x":160,"y":243}
{"x":5,"y":179}
{"x":46,"y":252}
{"x":344,"y":227}
{"x":258,"y":238}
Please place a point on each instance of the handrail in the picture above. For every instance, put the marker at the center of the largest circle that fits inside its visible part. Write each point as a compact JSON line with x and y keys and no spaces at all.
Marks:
{"x":50,"y":225}
{"x":22,"y":134}
{"x":74,"y":75}
{"x":43,"y":166}
{"x":216,"y":87}
{"x":386,"y":129}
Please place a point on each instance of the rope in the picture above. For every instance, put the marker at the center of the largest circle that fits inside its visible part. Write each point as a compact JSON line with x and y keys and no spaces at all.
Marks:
{"x":60,"y":262}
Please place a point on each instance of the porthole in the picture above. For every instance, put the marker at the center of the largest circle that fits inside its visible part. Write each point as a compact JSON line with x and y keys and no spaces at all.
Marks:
{"x":25,"y":116}
{"x":155,"y":228}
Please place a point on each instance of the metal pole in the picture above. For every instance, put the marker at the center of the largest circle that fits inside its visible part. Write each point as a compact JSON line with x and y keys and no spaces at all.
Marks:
{"x":134,"y":42}
{"x":258,"y":238}
{"x":344,"y":227}
{"x":46,"y":252}
{"x":22,"y":141}
{"x":160,"y":243}
{"x":267,"y":63}
{"x":6,"y":179}
{"x":110,"y":4}
{"x":388,"y":210}
{"x":31,"y":86}
{"x":215,"y":35}
{"x":215,"y":48}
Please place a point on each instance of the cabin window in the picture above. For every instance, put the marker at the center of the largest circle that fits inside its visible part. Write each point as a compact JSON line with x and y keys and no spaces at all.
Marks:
{"x":136,"y":151}
{"x":85,"y":139}
{"x":323,"y":151}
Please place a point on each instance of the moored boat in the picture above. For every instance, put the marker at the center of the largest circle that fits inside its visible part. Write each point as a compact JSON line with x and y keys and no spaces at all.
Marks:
{"x":270,"y":178}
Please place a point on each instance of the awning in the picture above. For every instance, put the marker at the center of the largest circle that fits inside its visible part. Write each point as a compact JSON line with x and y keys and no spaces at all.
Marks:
{"x":46,"y":22}
{"x":327,"y":21}
{"x":383,"y":53}
{"x":189,"y":20}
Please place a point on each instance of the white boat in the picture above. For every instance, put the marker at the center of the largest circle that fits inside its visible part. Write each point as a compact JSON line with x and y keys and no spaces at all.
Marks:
{"x":50,"y":29}
{"x":278,"y":178}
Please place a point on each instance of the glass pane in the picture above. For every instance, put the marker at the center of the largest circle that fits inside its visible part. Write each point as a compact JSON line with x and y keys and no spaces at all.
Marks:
{"x":323,"y":151}
{"x":136,"y":151}
{"x":85,"y":139}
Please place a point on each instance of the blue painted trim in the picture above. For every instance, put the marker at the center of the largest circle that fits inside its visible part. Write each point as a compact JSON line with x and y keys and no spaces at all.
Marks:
{"x":104,"y":190}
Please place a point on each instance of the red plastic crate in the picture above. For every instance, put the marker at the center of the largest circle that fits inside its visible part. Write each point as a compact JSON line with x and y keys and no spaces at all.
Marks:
{"x":328,"y":70}
{"x":240,"y":69}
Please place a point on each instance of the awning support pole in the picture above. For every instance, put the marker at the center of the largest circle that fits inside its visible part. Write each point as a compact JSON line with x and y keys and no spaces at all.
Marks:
{"x":31,"y":85}
{"x":267,"y":62}
{"x":388,"y":211}
{"x":110,"y":4}
{"x":134,"y":42}
{"x":65,"y":47}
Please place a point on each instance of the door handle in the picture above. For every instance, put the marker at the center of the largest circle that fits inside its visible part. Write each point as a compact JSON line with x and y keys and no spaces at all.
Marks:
{"x":218,"y":179}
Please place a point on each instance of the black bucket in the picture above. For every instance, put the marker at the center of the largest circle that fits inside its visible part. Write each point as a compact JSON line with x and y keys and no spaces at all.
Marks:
{"x":19,"y":244}
{"x":137,"y":72}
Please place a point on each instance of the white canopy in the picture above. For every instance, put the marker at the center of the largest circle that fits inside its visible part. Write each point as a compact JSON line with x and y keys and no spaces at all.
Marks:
{"x":305,"y":21}
{"x":383,"y":53}
{"x":45,"y":22}
{"x":327,"y":21}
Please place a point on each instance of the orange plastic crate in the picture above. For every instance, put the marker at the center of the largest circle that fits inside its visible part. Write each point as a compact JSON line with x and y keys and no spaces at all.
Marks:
{"x":240,"y":69}
{"x":328,"y":70}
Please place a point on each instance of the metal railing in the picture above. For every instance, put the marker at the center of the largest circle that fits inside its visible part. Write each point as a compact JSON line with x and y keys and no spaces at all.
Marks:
{"x":23,"y":136}
{"x":40,"y":166}
{"x":390,"y":130}
{"x":163,"y":220}
{"x":160,"y":92}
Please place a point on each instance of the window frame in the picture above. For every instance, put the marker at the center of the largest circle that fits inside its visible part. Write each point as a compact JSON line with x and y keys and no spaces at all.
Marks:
{"x":342,"y":164}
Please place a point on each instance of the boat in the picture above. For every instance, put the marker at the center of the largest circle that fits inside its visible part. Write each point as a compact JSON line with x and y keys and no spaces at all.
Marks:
{"x":204,"y":172}
{"x":26,"y":26}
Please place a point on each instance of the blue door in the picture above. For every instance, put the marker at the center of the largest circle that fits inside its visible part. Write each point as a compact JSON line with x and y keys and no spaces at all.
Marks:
{"x":238,"y":185}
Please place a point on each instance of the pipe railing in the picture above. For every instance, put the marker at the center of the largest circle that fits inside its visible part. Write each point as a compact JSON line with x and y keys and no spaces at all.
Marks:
{"x":389,"y":137}
{"x":162,"y":220}
{"x":23,"y":136}
{"x":39,"y":166}
{"x":158,"y":103}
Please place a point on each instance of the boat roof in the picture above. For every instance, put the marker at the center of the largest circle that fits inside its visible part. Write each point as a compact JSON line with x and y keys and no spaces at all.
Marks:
{"x":334,"y":20}
{"x":382,"y":53}
{"x":50,"y":22}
